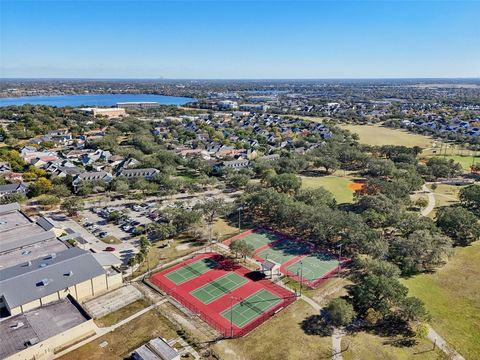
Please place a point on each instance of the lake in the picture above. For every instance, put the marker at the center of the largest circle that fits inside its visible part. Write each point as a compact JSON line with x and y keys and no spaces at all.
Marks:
{"x":93,"y":100}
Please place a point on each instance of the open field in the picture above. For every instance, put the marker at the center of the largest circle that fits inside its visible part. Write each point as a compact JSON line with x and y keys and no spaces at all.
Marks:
{"x":452,"y":296}
{"x":122,"y":313}
{"x":365,"y":346}
{"x":337,"y":185}
{"x":125,"y":339}
{"x":281,"y":337}
{"x":379,"y":135}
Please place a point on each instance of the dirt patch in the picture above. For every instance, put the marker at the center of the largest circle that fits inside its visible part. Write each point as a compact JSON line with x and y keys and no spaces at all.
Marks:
{"x":356,"y":185}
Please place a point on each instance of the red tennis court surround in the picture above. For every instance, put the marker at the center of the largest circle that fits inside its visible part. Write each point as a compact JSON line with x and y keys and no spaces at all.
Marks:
{"x":298,"y":259}
{"x":227,"y":307}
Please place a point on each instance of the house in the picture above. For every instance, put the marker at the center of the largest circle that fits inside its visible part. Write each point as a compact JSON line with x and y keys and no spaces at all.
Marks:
{"x":20,"y":188}
{"x":135,"y":173}
{"x":98,"y":155}
{"x":232,"y":165}
{"x":91,"y":176}
{"x":5,"y":168}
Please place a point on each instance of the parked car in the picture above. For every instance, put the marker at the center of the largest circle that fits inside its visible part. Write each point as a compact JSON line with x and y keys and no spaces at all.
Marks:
{"x":109,"y":248}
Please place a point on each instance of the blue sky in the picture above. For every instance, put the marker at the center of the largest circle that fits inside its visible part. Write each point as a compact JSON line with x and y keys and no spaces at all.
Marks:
{"x":239,"y":39}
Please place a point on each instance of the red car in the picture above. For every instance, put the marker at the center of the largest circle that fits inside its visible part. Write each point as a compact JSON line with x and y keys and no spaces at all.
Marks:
{"x":109,"y":248}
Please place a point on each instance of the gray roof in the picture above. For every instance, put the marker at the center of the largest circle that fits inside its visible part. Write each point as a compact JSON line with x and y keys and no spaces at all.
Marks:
{"x":9,"y":207}
{"x":9,"y":243}
{"x":22,"y":283}
{"x":144,"y":353}
{"x":138,"y":172}
{"x":46,"y":223}
{"x":41,"y":324}
{"x":12,"y":187}
{"x":165,"y":351}
{"x":156,"y":349}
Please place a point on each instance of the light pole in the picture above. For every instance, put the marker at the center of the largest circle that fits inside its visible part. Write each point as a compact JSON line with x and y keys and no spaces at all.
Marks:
{"x":232,"y":299}
{"x":301,"y":276}
{"x":240,"y":218}
{"x":339,"y":257}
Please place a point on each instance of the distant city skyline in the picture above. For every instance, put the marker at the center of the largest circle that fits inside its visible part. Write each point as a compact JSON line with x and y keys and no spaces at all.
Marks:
{"x":239,"y":39}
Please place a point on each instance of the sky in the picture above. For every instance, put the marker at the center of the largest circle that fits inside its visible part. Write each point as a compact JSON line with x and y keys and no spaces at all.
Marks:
{"x":239,"y":39}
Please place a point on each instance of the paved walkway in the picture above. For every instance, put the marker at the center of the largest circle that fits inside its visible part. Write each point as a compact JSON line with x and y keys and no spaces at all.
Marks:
{"x":442,"y":344}
{"x":337,"y":344}
{"x":431,"y":201}
{"x":337,"y":333}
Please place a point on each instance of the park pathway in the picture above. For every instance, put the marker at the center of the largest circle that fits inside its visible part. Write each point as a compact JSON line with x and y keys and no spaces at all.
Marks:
{"x":434,"y":337}
{"x":337,"y":333}
{"x":431,"y":201}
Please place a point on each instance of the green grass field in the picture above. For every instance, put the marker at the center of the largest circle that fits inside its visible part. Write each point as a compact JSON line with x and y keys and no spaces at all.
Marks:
{"x":365,"y":346}
{"x":452,"y":296}
{"x":218,"y":287}
{"x":336,"y":184}
{"x":379,"y":135}
{"x":190,"y":271}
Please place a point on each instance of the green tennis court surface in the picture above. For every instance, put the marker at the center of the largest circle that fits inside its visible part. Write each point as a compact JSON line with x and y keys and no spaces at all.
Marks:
{"x":314,"y":266}
{"x":191,"y":271}
{"x":259,"y":239}
{"x":218,"y":287}
{"x":250,"y":308}
{"x":278,"y":256}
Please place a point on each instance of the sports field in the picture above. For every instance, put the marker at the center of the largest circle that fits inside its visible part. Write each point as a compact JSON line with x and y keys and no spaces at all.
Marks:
{"x":191,"y":271}
{"x":222,"y":293}
{"x":311,"y":268}
{"x":219,"y":287}
{"x":297,"y":259}
{"x":250,"y":308}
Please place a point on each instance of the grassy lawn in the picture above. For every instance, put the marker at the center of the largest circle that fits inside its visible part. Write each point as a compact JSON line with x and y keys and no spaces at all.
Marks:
{"x":446,"y":195}
{"x":281,"y":337}
{"x":452,"y":296}
{"x":122,"y":313}
{"x":465,"y":161}
{"x":125,"y":339}
{"x":337,"y":185}
{"x":110,"y":239}
{"x":224,"y":230}
{"x":379,"y":135}
{"x":365,"y":346}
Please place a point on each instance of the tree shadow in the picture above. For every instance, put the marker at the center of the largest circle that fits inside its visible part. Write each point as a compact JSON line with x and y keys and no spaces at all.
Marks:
{"x":316,"y":325}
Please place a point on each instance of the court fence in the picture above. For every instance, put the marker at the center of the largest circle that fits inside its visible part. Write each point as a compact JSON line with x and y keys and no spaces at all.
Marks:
{"x":229,"y":331}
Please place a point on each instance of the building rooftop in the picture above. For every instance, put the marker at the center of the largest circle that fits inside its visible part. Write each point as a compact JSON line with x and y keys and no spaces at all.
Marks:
{"x":38,"y":325}
{"x":32,"y":280}
{"x":31,"y":252}
{"x":18,"y":230}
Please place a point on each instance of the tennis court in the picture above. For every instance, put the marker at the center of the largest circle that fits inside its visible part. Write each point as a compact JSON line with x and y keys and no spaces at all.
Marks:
{"x":278,"y":256}
{"x":260,"y":239}
{"x":219,"y":287}
{"x":209,"y":284}
{"x":288,"y":252}
{"x":314,"y":267}
{"x":190,"y":271}
{"x":248,"y":309}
